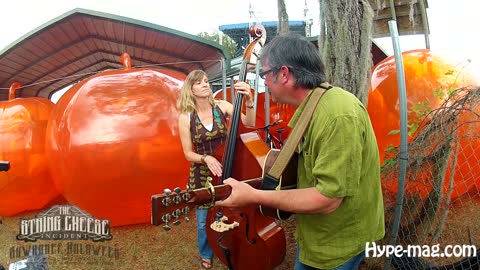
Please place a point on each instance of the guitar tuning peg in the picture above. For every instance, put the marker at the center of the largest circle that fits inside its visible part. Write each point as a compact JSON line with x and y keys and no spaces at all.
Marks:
{"x":166,"y":218}
{"x":186,"y":195}
{"x":166,"y":201}
{"x":167,"y":191}
{"x":176,"y":214}
{"x":177,"y":199}
{"x":185,"y":212}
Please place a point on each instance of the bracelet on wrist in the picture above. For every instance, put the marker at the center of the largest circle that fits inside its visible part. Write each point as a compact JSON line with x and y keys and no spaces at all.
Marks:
{"x":203,"y":158}
{"x":249,"y":106}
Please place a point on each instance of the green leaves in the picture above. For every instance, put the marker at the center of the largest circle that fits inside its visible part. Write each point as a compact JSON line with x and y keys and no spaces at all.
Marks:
{"x":222,"y":39}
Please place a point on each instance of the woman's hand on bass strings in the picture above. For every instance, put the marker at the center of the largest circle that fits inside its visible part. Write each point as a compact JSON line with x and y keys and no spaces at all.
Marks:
{"x":213,"y":165}
{"x":244,"y":89}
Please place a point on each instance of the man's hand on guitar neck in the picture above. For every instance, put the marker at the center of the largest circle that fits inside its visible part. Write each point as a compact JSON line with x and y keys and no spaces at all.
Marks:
{"x":242,"y":194}
{"x":305,"y":201}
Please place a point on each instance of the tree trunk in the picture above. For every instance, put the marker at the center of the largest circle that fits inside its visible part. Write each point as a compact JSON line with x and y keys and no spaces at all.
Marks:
{"x":282,"y":18}
{"x":345,"y":43}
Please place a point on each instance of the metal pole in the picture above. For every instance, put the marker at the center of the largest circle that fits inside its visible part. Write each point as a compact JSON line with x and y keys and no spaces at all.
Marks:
{"x":255,"y":93}
{"x":224,"y":79}
{"x":403,"y":155}
{"x":232,"y":90}
{"x":392,"y":11}
{"x":267,"y":108}
{"x":423,"y":12}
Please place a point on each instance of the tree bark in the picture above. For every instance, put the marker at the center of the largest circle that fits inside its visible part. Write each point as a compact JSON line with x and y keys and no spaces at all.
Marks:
{"x":283,"y":26}
{"x":345,"y":44}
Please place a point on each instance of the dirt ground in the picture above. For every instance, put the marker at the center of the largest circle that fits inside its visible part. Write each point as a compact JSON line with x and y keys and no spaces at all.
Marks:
{"x":145,"y":246}
{"x":141,"y":246}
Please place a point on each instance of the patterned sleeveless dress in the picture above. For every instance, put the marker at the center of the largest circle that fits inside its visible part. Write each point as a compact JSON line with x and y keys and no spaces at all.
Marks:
{"x":205,"y":142}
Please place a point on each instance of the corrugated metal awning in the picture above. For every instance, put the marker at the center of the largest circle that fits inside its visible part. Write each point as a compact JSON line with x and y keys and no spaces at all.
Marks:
{"x":82,"y":42}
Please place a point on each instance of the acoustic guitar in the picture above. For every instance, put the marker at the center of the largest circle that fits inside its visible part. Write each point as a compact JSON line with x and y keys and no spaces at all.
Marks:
{"x":171,"y":206}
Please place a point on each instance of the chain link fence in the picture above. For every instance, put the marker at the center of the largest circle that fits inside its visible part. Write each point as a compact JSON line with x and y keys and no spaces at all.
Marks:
{"x":440,"y":217}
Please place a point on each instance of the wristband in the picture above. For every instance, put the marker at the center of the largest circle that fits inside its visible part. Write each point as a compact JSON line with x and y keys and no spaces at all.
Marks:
{"x":203,"y":158}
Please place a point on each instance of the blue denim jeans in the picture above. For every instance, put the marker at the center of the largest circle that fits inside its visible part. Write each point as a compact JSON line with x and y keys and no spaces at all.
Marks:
{"x":351,"y":264}
{"x":203,"y":246}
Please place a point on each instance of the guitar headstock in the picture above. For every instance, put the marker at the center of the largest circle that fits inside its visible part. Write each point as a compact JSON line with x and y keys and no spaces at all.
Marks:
{"x":170,"y":206}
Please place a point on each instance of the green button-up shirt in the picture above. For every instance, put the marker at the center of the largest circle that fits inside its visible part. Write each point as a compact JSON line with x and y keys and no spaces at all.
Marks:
{"x":339,"y":156}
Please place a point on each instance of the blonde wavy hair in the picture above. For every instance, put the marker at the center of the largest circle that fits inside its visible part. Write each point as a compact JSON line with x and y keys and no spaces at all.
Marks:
{"x":186,"y":102}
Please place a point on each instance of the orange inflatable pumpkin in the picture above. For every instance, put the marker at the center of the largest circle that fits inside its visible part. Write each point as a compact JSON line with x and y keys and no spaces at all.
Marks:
{"x":113,"y":142}
{"x":427,"y":75}
{"x":28,"y":184}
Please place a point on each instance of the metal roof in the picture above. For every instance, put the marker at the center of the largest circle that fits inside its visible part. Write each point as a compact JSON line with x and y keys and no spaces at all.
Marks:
{"x":410,"y":16}
{"x":82,"y":42}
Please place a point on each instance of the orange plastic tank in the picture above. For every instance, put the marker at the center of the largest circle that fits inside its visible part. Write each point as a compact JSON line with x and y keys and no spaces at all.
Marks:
{"x":426,"y":74}
{"x":28,"y":184}
{"x":113,"y":142}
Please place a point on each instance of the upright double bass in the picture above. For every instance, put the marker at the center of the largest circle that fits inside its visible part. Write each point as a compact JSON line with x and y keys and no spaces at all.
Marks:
{"x":248,"y":240}
{"x":242,"y":238}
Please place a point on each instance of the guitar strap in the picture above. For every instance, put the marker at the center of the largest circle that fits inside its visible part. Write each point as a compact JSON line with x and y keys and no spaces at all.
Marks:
{"x":271,"y":179}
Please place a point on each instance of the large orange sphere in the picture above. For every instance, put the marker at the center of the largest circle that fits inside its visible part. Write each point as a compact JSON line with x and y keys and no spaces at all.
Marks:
{"x":463,"y":158}
{"x":428,"y":78}
{"x":28,"y":184}
{"x":113,"y":142}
